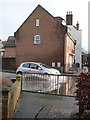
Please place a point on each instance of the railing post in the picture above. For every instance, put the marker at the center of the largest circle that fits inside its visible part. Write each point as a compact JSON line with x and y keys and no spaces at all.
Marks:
{"x":19,"y":78}
{"x":57,"y":84}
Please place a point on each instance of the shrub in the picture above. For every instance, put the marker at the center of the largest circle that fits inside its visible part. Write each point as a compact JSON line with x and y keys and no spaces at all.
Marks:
{"x":83,"y":94}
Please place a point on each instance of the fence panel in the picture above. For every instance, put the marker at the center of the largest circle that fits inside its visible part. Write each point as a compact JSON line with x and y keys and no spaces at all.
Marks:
{"x":51,"y":84}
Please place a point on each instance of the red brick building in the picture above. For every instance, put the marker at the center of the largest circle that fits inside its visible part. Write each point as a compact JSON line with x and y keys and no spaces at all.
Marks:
{"x":9,"y":56}
{"x":41,"y":38}
{"x":69,"y":52}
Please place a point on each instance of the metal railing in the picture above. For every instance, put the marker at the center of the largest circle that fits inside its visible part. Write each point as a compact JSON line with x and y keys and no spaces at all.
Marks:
{"x":51,"y":84}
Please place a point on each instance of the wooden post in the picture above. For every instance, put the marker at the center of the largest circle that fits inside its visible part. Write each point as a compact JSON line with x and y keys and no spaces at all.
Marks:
{"x":19,"y":78}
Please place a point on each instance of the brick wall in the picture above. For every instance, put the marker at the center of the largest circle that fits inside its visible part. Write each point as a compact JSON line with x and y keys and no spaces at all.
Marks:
{"x":52,"y":34}
{"x":10,"y":52}
{"x":69,"y":52}
{"x":10,"y":95}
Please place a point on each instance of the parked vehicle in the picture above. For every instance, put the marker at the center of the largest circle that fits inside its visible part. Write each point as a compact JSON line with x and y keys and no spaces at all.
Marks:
{"x":33,"y":67}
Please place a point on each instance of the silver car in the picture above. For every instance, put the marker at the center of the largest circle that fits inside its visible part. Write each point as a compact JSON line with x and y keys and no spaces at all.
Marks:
{"x":33,"y":67}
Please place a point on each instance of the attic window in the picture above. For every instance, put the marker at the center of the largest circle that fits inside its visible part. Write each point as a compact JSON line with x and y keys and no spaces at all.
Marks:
{"x":37,"y":39}
{"x":37,"y":22}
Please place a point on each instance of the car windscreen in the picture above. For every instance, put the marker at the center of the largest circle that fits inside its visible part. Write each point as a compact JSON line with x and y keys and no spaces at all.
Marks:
{"x":43,"y":65}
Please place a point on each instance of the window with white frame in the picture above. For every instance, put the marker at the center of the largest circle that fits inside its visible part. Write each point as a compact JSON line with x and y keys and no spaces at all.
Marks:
{"x":37,"y":22}
{"x":37,"y":39}
{"x":53,"y":64}
{"x":58,"y":64}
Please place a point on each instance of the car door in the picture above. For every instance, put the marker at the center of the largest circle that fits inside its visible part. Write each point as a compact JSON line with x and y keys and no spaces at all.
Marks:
{"x":26,"y":67}
{"x":35,"y":68}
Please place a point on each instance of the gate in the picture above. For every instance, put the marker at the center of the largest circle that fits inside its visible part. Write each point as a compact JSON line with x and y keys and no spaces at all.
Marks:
{"x":51,"y":84}
{"x":8,"y":63}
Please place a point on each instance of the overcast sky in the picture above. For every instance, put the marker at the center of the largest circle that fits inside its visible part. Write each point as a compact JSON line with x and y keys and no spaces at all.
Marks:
{"x":14,"y":12}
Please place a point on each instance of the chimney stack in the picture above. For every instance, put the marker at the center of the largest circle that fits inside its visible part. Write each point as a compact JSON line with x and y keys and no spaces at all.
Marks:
{"x":77,"y":26}
{"x":69,"y":18}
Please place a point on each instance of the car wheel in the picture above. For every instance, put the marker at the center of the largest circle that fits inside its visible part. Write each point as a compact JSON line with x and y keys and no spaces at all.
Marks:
{"x":46,"y":74}
{"x":19,"y":73}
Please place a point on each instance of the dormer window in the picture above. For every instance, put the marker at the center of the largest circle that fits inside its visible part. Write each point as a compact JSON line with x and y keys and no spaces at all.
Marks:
{"x":37,"y":22}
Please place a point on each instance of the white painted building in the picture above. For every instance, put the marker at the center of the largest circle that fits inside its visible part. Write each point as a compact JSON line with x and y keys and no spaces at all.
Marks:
{"x":76,"y":35}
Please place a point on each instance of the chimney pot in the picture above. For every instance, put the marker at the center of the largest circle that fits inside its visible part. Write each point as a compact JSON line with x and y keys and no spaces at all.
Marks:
{"x":69,"y":18}
{"x":77,"y":25}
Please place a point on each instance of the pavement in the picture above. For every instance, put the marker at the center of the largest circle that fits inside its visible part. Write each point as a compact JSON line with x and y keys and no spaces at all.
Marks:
{"x":9,"y":71}
{"x":36,"y":105}
{"x":8,"y":75}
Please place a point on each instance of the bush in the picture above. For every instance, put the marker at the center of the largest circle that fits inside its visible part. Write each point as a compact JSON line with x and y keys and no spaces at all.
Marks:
{"x":83,"y":94}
